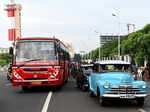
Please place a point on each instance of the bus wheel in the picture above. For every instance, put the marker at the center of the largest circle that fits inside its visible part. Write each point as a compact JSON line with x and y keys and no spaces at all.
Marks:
{"x":24,"y":88}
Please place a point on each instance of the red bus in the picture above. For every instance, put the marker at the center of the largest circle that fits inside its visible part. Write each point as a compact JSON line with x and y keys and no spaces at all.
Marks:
{"x":40,"y":62}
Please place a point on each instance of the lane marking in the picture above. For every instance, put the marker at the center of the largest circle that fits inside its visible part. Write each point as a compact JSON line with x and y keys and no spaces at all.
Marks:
{"x":141,"y":110}
{"x":46,"y":104}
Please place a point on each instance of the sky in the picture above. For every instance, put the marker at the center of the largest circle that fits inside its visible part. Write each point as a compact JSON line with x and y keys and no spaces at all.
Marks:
{"x":79,"y":22}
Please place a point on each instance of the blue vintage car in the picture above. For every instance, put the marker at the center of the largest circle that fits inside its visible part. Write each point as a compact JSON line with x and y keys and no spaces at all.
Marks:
{"x":114,"y":80}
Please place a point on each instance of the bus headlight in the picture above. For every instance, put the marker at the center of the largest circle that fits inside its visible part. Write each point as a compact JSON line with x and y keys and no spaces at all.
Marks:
{"x":54,"y":74}
{"x":17,"y":76}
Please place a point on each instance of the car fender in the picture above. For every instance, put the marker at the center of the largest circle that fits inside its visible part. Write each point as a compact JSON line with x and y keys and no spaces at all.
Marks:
{"x":100,"y":87}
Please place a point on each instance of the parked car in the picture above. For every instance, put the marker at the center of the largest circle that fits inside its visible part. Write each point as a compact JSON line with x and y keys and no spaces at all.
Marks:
{"x":82,"y":77}
{"x":112,"y":79}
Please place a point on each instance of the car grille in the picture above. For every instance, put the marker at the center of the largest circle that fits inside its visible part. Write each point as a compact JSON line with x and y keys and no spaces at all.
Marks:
{"x":124,"y":90}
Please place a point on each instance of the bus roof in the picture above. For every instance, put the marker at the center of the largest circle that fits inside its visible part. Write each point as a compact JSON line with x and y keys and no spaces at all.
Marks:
{"x":38,"y":38}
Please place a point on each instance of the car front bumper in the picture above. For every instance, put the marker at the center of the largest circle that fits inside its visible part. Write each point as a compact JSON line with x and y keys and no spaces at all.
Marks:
{"x":124,"y":96}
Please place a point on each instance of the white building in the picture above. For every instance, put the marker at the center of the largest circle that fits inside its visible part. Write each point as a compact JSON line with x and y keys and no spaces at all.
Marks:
{"x":4,"y":50}
{"x":108,"y":37}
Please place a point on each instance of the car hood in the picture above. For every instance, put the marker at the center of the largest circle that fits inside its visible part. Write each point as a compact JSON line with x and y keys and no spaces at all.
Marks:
{"x":116,"y":77}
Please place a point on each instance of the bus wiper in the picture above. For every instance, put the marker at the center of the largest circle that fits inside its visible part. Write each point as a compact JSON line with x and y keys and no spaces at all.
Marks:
{"x":32,"y":60}
{"x":29,"y":61}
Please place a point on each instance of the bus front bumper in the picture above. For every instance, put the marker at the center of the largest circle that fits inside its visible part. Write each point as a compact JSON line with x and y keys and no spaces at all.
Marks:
{"x":47,"y":82}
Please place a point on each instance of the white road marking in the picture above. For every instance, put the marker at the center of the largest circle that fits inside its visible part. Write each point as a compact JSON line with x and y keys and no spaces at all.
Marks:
{"x":46,"y":104}
{"x":141,"y":110}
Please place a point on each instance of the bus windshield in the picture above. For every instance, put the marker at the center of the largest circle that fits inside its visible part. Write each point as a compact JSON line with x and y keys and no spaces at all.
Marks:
{"x":35,"y":50}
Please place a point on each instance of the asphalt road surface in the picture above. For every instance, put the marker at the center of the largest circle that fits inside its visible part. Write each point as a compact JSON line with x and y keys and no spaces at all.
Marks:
{"x":67,"y":99}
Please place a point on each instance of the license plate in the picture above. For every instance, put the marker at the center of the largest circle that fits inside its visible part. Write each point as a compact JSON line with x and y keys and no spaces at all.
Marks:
{"x":35,"y":83}
{"x":86,"y":85}
{"x":123,"y":96}
{"x":130,"y":96}
{"x":127,"y":96}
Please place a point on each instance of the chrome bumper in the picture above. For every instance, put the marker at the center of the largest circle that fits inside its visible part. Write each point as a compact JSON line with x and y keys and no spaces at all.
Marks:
{"x":124,"y":96}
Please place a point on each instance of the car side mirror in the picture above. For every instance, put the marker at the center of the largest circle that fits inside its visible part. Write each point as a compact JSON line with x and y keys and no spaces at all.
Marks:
{"x":11,"y":51}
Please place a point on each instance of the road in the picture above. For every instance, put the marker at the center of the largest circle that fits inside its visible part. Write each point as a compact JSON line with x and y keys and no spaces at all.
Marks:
{"x":67,"y":99}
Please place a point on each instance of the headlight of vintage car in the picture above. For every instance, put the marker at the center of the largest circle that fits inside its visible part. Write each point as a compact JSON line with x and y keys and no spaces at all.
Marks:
{"x":143,"y":86}
{"x":17,"y":75}
{"x":106,"y":85}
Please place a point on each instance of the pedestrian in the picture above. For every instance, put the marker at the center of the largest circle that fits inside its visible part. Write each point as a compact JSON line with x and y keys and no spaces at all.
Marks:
{"x":146,"y":74}
{"x":143,"y":72}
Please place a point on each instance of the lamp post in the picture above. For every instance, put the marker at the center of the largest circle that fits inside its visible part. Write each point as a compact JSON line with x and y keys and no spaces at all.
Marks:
{"x":99,"y":44}
{"x":118,"y":32}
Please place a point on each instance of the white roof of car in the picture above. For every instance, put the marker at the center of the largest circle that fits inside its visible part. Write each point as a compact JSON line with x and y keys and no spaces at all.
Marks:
{"x":112,"y":62}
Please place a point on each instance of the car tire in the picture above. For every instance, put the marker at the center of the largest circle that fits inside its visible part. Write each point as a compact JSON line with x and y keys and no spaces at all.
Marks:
{"x":91,"y":94}
{"x":83,"y":88}
{"x":66,"y":81}
{"x":101,"y":100}
{"x":140,"y":101}
{"x":78,"y":85}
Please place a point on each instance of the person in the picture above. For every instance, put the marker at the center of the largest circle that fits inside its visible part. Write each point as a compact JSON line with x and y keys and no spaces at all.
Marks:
{"x":134,"y":70}
{"x":142,"y":73}
{"x":146,"y":74}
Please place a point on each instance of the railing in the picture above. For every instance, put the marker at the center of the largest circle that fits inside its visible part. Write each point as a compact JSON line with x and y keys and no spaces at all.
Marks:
{"x":125,"y":58}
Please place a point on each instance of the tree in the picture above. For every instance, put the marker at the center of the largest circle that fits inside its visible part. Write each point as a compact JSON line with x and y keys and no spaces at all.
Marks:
{"x":4,"y":59}
{"x":135,"y":44}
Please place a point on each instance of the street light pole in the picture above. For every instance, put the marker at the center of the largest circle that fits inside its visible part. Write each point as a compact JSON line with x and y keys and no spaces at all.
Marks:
{"x":100,"y":47}
{"x":99,"y":44}
{"x":118,"y":33}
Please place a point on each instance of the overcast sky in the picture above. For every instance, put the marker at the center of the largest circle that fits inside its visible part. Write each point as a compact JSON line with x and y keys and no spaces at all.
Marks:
{"x":76,"y":21}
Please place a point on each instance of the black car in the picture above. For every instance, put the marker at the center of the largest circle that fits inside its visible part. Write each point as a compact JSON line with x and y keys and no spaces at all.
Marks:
{"x":82,"y":77}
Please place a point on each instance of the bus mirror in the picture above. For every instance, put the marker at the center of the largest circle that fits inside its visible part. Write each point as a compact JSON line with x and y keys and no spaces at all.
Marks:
{"x":11,"y":51}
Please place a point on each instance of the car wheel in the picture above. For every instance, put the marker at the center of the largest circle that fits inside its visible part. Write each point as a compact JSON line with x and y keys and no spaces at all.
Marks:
{"x":140,"y":101}
{"x":66,"y":81}
{"x":83,"y":88}
{"x":101,"y":100}
{"x":91,"y":94}
{"x":78,"y":85}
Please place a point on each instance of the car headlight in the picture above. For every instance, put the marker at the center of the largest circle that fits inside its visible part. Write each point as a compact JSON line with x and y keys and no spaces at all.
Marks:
{"x":143,"y":86}
{"x":16,"y":75}
{"x":106,"y":85}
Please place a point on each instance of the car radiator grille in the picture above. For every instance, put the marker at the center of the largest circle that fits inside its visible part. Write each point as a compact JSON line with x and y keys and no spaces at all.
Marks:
{"x":125,"y":90}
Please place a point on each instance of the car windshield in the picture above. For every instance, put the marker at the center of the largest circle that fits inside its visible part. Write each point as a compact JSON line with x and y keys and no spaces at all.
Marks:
{"x":87,"y":70}
{"x":115,"y":68}
{"x":35,"y":51}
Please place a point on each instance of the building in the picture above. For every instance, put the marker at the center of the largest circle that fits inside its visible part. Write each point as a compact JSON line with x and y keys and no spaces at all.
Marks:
{"x":69,"y":45}
{"x":14,"y":14}
{"x":107,"y":38}
{"x":4,"y":50}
